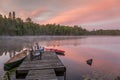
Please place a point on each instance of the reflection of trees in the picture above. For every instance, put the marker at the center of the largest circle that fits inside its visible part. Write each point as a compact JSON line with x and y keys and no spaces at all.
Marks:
{"x":8,"y":44}
{"x":1,"y":53}
{"x":53,"y":43}
{"x":75,"y":42}
{"x":57,"y":43}
{"x":17,"y":43}
{"x":11,"y":53}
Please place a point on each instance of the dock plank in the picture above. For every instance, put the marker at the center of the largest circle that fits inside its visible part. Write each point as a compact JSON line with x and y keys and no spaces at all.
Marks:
{"x":49,"y":60}
{"x":48,"y":74}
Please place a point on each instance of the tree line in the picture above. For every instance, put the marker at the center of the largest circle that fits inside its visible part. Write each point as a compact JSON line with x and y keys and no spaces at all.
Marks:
{"x":16,"y":26}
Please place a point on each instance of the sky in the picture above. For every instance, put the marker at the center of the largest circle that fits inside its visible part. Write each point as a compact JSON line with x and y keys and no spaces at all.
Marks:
{"x":89,"y":14}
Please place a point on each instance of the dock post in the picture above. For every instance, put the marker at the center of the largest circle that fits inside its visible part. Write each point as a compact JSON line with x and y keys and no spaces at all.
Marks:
{"x":65,"y":75}
{"x":31,"y":55}
{"x":40,"y":55}
{"x":8,"y":76}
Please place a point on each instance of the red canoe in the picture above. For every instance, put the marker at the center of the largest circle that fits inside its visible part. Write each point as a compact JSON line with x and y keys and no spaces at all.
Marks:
{"x":60,"y":52}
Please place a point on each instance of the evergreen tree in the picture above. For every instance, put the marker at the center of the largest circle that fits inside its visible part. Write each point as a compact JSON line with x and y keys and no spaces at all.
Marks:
{"x":13,"y":15}
{"x":16,"y":26}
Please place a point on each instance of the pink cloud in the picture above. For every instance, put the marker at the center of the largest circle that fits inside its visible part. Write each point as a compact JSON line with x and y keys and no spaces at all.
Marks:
{"x":74,"y":12}
{"x":98,"y":10}
{"x":37,"y":12}
{"x":32,"y":14}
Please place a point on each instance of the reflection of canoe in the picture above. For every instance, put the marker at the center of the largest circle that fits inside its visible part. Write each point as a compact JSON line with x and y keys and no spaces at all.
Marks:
{"x":59,"y":52}
{"x":15,"y":61}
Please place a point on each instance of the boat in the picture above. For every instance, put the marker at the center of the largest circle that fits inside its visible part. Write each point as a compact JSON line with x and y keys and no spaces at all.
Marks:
{"x":15,"y":61}
{"x":57,"y":51}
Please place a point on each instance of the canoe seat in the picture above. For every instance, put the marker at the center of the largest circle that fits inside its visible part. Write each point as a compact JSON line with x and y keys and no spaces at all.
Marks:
{"x":36,"y":53}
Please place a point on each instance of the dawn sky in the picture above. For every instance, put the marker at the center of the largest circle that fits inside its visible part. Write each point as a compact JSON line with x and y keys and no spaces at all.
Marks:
{"x":90,"y":14}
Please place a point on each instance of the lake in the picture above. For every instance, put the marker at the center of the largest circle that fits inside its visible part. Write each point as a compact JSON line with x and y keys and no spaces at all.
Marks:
{"x":104,"y":50}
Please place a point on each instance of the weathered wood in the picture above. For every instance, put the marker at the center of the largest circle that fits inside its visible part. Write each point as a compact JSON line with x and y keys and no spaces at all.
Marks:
{"x":49,"y":62}
{"x":48,"y":74}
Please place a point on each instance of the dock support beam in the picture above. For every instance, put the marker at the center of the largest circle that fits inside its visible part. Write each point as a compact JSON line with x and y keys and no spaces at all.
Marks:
{"x":8,"y":76}
{"x":65,"y":75}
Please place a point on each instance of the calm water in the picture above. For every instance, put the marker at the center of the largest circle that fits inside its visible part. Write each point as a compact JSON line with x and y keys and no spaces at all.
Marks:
{"x":104,"y":50}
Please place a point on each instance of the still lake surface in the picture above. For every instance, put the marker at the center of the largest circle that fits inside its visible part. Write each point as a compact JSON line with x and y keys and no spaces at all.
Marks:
{"x":104,"y":50}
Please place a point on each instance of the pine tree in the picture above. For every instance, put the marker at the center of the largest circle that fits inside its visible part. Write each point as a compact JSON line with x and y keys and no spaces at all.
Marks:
{"x":10,"y":15}
{"x":13,"y":15}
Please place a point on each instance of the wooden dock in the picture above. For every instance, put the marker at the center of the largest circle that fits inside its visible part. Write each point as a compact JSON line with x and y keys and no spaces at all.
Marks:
{"x":46,"y":68}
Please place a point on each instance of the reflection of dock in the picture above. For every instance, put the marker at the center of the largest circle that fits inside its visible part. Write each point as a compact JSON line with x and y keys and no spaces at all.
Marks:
{"x":47,"y":68}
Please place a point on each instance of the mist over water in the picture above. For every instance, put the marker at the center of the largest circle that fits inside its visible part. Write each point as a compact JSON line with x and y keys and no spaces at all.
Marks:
{"x":104,"y":50}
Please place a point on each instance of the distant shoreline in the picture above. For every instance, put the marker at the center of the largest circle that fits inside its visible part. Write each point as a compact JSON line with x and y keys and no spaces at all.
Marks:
{"x":17,"y":27}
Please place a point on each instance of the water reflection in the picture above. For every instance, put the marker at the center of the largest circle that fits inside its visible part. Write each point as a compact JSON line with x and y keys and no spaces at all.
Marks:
{"x":12,"y":53}
{"x":3,"y":59}
{"x":106,"y":64}
{"x":103,"y":50}
{"x":17,"y":43}
{"x":8,"y":45}
{"x":57,"y":43}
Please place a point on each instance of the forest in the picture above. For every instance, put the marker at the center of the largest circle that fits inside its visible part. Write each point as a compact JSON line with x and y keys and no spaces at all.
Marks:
{"x":12,"y":26}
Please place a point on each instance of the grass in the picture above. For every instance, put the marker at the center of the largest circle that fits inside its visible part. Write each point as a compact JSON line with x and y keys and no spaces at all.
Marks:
{"x":10,"y":72}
